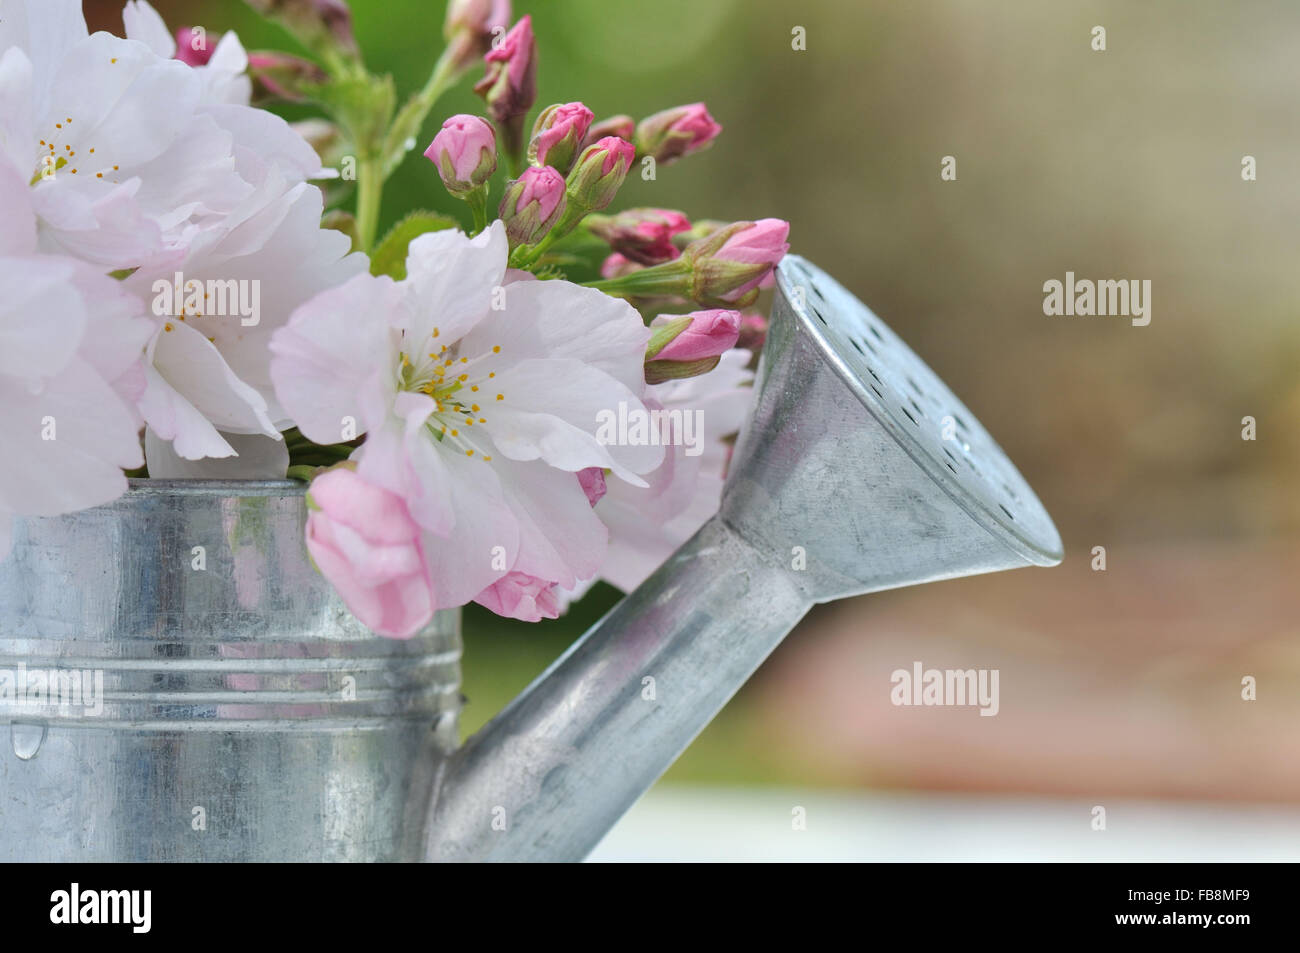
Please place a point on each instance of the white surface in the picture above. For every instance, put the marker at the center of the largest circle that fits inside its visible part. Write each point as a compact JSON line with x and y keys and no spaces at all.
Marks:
{"x":720,"y":824}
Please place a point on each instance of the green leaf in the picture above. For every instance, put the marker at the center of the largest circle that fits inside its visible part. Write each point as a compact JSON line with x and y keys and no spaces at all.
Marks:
{"x":389,"y":257}
{"x":302,"y":472}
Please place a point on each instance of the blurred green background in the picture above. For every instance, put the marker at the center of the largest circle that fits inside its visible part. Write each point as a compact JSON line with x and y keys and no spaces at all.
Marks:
{"x":1117,"y":164}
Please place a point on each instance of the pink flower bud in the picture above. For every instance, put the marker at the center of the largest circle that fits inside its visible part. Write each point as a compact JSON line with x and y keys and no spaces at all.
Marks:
{"x":708,"y":334}
{"x":477,"y":16}
{"x":621,"y":127}
{"x":700,"y":228}
{"x":643,"y":235}
{"x":688,"y":345}
{"x":616,"y":265}
{"x":365,"y":542}
{"x":753,"y":332}
{"x":465,"y":152}
{"x":185,"y":51}
{"x":315,"y":22}
{"x":509,"y":86}
{"x":284,"y":76}
{"x":676,"y":132}
{"x":470,"y":27}
{"x":558,"y":135}
{"x":518,"y":595}
{"x":731,"y":262}
{"x":599,"y":173}
{"x":533,"y":203}
{"x":592,"y":480}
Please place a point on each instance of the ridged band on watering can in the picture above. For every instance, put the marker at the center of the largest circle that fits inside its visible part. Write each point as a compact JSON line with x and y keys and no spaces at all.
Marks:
{"x":244,"y":714}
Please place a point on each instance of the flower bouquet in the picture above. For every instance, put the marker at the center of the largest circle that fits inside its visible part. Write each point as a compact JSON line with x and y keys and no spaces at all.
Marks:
{"x":195,"y":288}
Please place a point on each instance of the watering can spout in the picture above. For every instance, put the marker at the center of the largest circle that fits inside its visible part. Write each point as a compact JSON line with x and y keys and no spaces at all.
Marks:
{"x":857,"y":471}
{"x":552,"y":773}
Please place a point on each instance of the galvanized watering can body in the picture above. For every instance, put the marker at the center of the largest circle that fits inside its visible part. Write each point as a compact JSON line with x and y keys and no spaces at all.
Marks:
{"x":246,"y":715}
{"x":241,"y":713}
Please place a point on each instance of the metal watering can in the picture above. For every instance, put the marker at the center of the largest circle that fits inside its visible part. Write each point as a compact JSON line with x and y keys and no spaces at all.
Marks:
{"x":231,"y":709}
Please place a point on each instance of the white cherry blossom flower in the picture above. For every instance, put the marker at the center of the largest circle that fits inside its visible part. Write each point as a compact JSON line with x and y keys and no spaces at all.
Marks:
{"x":479,"y":399}
{"x":70,"y":345}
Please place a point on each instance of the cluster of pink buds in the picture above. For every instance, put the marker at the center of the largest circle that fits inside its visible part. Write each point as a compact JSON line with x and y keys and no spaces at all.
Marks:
{"x":593,"y":178}
{"x":570,"y":169}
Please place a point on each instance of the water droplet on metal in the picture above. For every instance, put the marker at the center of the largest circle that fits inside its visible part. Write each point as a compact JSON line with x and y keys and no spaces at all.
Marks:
{"x":26,"y":739}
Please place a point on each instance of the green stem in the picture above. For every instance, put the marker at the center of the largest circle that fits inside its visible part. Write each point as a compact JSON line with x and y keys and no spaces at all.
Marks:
{"x":302,"y":472}
{"x":321,"y":456}
{"x":406,"y":126}
{"x":670,"y":278}
{"x":441,"y":79}
{"x":528,"y":255}
{"x":370,"y":189}
{"x":477,"y":201}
